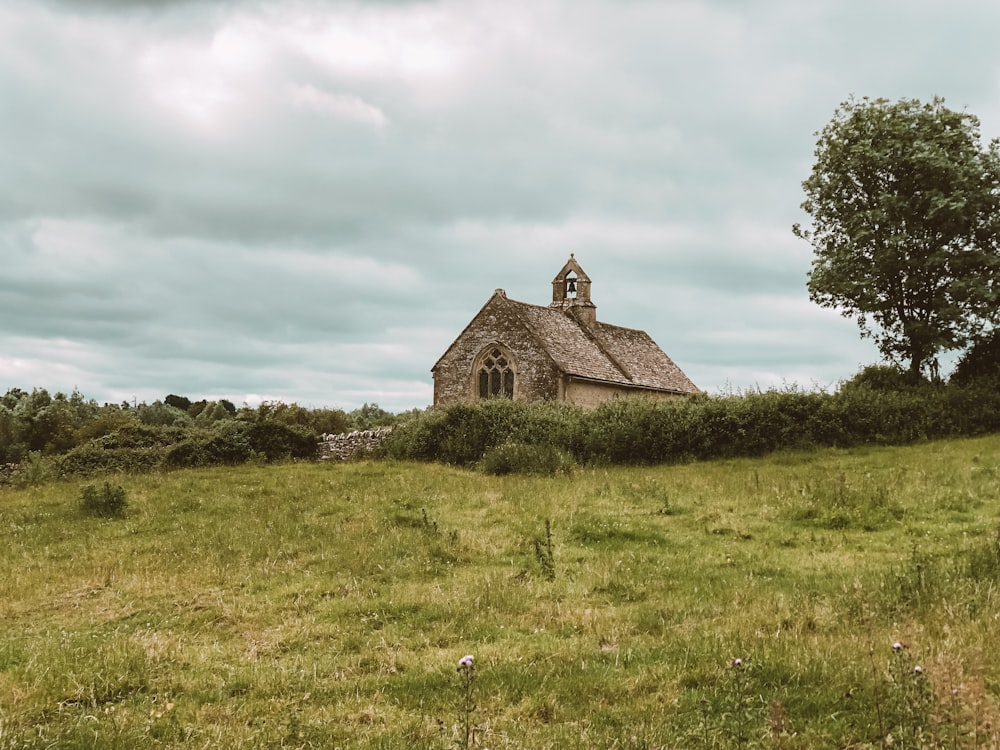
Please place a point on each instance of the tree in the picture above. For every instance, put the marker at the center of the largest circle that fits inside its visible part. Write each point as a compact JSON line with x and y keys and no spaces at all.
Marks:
{"x":981,"y":361}
{"x":905,"y":207}
{"x":178,"y":402}
{"x":369,"y":416}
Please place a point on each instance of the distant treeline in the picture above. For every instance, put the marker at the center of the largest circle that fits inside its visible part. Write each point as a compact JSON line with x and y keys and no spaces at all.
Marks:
{"x":60,"y":435}
{"x":879,"y":406}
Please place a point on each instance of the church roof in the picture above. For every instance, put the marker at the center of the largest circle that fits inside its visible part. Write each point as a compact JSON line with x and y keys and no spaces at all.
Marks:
{"x":613,"y":354}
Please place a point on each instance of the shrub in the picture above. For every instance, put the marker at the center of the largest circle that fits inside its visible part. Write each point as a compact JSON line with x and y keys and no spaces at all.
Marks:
{"x":519,"y":458}
{"x":276,"y":441}
{"x":34,"y":470}
{"x":109,"y":501}
{"x":92,"y":458}
{"x":884,"y":378}
{"x":417,"y":439}
{"x":225,"y":443}
{"x":135,"y":435}
{"x":159,"y":413}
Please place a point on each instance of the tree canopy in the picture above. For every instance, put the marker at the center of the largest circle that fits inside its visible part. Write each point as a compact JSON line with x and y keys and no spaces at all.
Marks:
{"x":905,"y":208}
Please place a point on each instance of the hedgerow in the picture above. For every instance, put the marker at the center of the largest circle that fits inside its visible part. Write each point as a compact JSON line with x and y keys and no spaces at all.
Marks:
{"x":878,"y":406}
{"x":43,"y":435}
{"x":649,"y":431}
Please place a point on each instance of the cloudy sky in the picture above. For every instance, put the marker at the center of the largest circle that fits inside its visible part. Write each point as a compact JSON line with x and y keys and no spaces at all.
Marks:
{"x":307,"y":200}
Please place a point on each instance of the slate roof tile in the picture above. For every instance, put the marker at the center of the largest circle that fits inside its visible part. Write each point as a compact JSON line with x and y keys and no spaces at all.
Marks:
{"x":613,"y":354}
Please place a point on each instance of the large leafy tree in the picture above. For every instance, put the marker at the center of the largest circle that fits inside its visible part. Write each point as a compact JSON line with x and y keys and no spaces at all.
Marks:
{"x":905,"y":208}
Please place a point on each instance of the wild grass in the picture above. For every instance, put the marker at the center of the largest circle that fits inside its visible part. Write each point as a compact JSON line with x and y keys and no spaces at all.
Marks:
{"x":322,"y":605}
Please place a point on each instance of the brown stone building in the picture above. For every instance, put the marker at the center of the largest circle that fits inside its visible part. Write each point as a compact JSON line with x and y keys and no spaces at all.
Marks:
{"x":559,"y":353}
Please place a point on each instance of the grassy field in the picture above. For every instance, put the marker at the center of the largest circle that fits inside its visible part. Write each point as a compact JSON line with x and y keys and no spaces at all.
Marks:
{"x":750,"y":603}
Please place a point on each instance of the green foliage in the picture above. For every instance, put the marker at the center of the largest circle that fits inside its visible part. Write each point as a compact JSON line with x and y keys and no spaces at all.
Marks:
{"x":419,"y":438}
{"x":905,"y":208}
{"x":881,"y":378}
{"x":980,"y":362}
{"x":137,"y":435}
{"x":518,"y":458}
{"x":161,"y":415}
{"x":545,"y":552}
{"x":108,"y":419}
{"x":178,"y":402}
{"x":330,"y":421}
{"x":93,"y":458}
{"x":37,"y":421}
{"x":224,"y":443}
{"x":276,"y":441}
{"x":868,"y":410}
{"x":33,"y":471}
{"x":369,"y":416}
{"x":73,"y":436}
{"x":463,"y":434}
{"x":108,"y":501}
{"x":132,"y":448}
{"x":298,"y":417}
{"x":12,"y":445}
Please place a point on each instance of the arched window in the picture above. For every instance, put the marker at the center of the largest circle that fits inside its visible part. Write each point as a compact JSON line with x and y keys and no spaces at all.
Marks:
{"x":495,"y":374}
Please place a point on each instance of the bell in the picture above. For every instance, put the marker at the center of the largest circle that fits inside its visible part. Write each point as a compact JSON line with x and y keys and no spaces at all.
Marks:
{"x":571,"y":286}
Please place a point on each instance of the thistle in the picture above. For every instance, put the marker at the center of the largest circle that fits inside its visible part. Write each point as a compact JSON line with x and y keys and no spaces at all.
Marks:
{"x":467,"y":703}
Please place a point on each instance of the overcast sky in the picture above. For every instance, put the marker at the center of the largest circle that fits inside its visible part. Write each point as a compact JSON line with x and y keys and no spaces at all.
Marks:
{"x":307,"y":201}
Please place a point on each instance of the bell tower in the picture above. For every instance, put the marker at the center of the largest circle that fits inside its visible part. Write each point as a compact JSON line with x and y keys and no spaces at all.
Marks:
{"x":571,"y":292}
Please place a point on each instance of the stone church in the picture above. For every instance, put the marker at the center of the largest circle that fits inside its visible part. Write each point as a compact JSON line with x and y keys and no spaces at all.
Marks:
{"x":559,"y":352}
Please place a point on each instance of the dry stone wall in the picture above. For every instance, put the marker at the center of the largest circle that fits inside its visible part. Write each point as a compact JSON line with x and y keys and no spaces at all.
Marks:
{"x":353,"y":446}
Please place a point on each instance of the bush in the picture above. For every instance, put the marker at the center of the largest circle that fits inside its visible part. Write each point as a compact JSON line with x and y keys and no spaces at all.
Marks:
{"x":418,"y":438}
{"x":109,"y":501}
{"x":227,"y":443}
{"x":519,"y":458}
{"x":884,"y":378}
{"x":137,"y":435}
{"x":464,"y":433}
{"x":161,"y":414}
{"x":276,"y":441}
{"x":34,"y":470}
{"x":93,"y":458}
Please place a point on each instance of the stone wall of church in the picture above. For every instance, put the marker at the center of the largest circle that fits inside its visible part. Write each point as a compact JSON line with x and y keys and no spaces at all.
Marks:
{"x":589,"y":395}
{"x":536,"y":378}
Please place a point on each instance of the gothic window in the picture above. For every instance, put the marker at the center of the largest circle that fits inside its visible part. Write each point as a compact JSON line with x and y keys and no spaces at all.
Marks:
{"x":496,"y":375}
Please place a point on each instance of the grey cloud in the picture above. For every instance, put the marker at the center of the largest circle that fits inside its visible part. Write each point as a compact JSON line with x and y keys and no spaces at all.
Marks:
{"x":325,"y":230}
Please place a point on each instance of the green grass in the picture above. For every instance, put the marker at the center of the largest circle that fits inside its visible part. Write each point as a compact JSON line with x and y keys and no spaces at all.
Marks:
{"x":322,"y":605}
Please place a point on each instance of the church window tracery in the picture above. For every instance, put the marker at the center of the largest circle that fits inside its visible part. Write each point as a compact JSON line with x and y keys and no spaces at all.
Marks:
{"x":495,"y":375}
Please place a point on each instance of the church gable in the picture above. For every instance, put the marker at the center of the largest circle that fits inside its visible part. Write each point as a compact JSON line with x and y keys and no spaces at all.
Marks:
{"x":559,"y":352}
{"x":457,"y":375}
